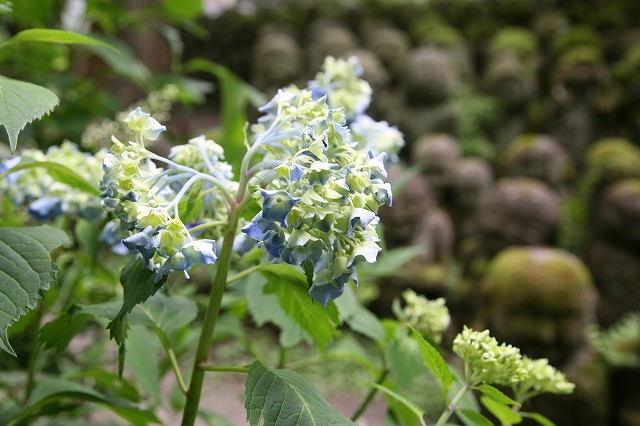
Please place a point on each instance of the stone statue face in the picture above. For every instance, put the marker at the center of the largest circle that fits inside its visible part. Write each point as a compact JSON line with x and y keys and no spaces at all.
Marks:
{"x":539,"y":157}
{"x":430,"y":75}
{"x":471,"y":178}
{"x":517,"y":211}
{"x":277,"y":57}
{"x":438,"y":154}
{"x":540,"y":300}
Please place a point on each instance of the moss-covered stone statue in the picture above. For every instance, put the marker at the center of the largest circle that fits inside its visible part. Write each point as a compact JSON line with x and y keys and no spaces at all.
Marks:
{"x":517,"y":211}
{"x":539,"y":157}
{"x":276,"y":61}
{"x":541,"y":300}
{"x":436,"y":153}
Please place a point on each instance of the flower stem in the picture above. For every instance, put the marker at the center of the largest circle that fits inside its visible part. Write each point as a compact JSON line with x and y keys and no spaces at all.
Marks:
{"x":211,"y":315}
{"x":242,"y":274}
{"x":365,"y":403}
{"x":452,"y":406}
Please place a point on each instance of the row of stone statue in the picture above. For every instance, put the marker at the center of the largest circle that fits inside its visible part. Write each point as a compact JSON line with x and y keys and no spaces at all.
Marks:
{"x":499,"y":224}
{"x":553,"y":77}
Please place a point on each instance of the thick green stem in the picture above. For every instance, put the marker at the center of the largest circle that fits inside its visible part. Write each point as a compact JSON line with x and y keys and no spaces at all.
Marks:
{"x":206,"y":335}
{"x":452,"y":406}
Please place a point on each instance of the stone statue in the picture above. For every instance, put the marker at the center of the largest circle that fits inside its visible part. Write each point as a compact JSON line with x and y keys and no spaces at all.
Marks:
{"x":437,"y":153}
{"x":541,"y":300}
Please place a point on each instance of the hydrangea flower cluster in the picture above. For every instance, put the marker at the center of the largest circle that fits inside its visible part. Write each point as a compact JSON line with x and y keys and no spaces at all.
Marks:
{"x":46,"y":197}
{"x":319,"y":194}
{"x":163,"y":209}
{"x":486,"y":361}
{"x":430,"y":317}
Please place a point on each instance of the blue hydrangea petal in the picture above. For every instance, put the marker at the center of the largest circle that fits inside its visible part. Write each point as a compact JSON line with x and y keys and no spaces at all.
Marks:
{"x":145,"y":242}
{"x":277,"y":205}
{"x":199,"y":252}
{"x":46,"y":208}
{"x":359,"y":218}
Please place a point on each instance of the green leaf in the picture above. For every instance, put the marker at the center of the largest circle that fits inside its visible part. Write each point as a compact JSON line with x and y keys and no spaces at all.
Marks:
{"x":265,"y":308}
{"x":142,"y":360}
{"x":236,"y":96}
{"x":20,"y":104}
{"x":139,"y":284}
{"x":284,"y":397}
{"x":123,"y":61}
{"x":495,"y":394}
{"x":414,"y":409}
{"x":357,"y":317}
{"x":189,"y":207}
{"x":291,"y":288}
{"x":183,"y":9}
{"x":539,"y":418}
{"x":434,"y":361}
{"x":54,"y":36}
{"x":390,"y":262}
{"x":50,"y":391}
{"x":58,"y":171}
{"x":26,"y":271}
{"x":58,"y":333}
{"x":474,"y":417}
{"x":166,"y":313}
{"x":503,"y":413}
{"x":404,"y":360}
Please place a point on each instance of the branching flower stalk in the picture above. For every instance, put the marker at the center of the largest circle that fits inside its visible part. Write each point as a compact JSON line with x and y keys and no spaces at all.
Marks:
{"x":319,"y":188}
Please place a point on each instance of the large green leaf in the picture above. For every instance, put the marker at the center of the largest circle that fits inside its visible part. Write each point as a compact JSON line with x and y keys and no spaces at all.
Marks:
{"x":44,"y":35}
{"x":50,"y":391}
{"x":357,"y":317}
{"x":404,"y":360}
{"x":21,"y":103}
{"x":58,"y":171}
{"x":290,"y":286}
{"x":26,"y":271}
{"x":285,"y":398}
{"x":434,"y":361}
{"x":142,"y":360}
{"x":167,"y":314}
{"x":265,"y":308}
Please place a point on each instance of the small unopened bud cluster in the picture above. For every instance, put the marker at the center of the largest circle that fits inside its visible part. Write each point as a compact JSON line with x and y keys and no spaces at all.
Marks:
{"x":487,"y":361}
{"x":430,"y":317}
{"x":540,"y":377}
